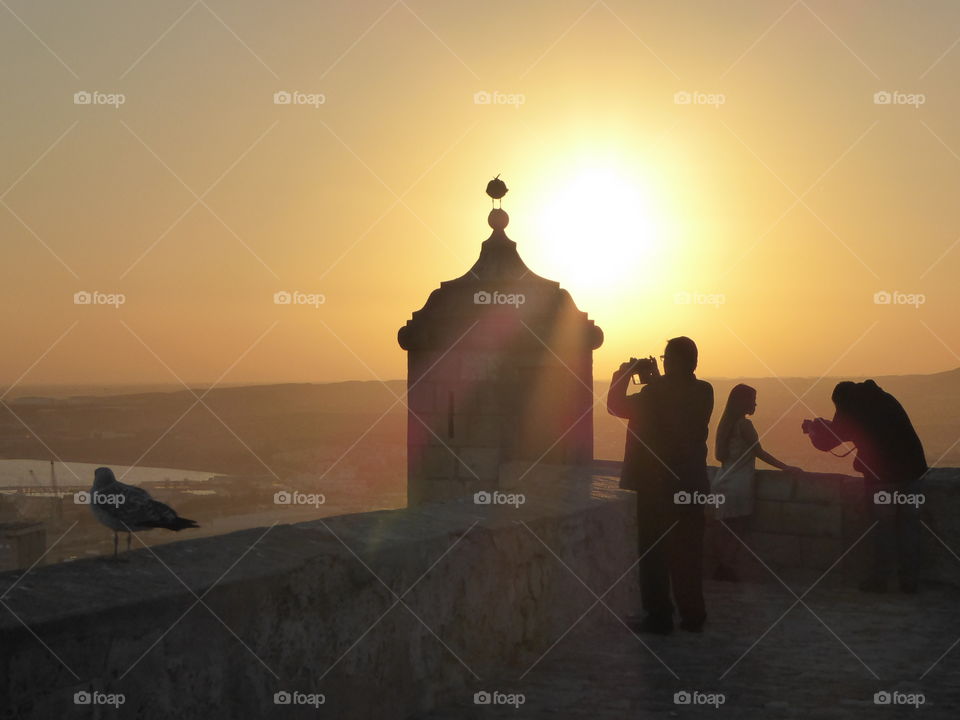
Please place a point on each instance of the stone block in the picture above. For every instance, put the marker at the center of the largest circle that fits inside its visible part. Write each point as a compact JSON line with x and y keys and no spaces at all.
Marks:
{"x":819,"y":488}
{"x":774,"y":485}
{"x":428,"y":429}
{"x":471,"y":399}
{"x":477,"y":430}
{"x":440,"y":366}
{"x":478,"y":463}
{"x":486,"y":400}
{"x":812,"y":519}
{"x":766,"y":516}
{"x":441,"y":490}
{"x":422,"y":399}
{"x":438,"y":461}
{"x":480,"y":366}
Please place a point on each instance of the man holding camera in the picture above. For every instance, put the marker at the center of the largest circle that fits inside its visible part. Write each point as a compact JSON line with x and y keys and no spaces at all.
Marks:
{"x":891,"y":458}
{"x":665,"y":458}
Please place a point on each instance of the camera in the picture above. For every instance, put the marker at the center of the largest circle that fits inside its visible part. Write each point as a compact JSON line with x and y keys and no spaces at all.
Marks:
{"x":644,"y":370}
{"x":816,"y":428}
{"x":821,"y":433}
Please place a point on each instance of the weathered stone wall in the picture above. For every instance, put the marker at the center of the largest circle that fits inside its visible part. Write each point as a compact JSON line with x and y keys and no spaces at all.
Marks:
{"x":385,"y":613}
{"x":467,"y":411}
{"x":809,"y":522}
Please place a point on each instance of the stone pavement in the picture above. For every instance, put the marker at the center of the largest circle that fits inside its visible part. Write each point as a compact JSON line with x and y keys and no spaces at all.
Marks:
{"x":802,"y":668}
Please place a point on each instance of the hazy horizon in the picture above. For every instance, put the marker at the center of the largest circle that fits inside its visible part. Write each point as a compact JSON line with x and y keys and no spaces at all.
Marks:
{"x":148,"y":386}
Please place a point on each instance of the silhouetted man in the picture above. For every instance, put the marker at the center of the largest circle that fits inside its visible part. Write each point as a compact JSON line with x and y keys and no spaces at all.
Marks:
{"x":665,"y":462}
{"x":891,"y":458}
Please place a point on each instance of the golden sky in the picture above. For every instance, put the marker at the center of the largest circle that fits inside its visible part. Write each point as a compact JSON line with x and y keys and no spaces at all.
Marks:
{"x":735,"y":155}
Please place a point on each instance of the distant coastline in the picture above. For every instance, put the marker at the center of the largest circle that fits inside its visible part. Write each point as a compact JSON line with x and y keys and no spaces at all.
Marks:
{"x":18,"y":473}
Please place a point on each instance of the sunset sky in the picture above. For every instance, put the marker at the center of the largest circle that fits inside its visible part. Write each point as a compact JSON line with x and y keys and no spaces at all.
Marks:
{"x":780,"y":200}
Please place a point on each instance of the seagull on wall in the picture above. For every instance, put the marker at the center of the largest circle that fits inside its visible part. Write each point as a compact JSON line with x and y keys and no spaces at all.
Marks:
{"x":125,"y":508}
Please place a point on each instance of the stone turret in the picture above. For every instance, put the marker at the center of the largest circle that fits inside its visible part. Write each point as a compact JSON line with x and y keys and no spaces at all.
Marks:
{"x":499,"y":370}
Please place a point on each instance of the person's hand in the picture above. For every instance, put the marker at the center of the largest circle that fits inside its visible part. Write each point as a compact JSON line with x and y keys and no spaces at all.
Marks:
{"x":624,"y":369}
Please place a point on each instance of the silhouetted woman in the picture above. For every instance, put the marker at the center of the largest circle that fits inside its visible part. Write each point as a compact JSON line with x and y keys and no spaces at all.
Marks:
{"x":738,"y":445}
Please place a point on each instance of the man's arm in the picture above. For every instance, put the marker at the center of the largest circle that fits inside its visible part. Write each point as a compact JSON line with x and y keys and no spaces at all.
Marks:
{"x":752,"y":437}
{"x":842,"y":427}
{"x":825,"y":435}
{"x":617,"y":402}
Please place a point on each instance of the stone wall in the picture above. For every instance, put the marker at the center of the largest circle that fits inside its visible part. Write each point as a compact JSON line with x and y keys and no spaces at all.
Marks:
{"x":384,"y":613}
{"x":466,"y":415}
{"x":811,"y":521}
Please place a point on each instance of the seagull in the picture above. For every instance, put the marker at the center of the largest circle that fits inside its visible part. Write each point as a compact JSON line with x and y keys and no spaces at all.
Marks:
{"x":125,"y":508}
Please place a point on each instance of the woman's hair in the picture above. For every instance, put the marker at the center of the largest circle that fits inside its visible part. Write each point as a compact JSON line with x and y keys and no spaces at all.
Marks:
{"x":740,"y":400}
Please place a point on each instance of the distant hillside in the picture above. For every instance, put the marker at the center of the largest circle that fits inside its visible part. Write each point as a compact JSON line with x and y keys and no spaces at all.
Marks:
{"x":346,"y":428}
{"x":349,"y":397}
{"x":356,"y":431}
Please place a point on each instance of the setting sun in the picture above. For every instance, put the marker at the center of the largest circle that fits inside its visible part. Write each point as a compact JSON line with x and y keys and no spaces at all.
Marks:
{"x":597,"y":230}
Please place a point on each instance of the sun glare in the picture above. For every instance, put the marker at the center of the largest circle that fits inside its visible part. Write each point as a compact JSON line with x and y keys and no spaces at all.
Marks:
{"x":597,"y":230}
